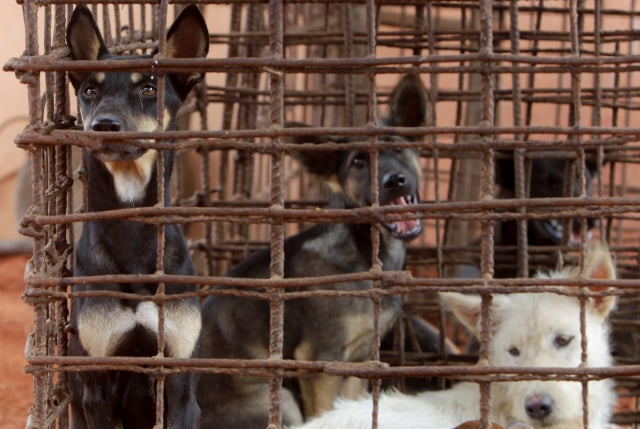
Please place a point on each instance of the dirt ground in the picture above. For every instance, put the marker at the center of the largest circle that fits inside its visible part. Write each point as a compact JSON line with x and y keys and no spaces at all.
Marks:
{"x":16,"y":320}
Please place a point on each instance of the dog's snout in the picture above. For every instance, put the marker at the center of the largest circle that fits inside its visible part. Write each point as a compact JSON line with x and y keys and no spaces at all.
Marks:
{"x":395,"y":180}
{"x":539,"y":406}
{"x":106,"y":123}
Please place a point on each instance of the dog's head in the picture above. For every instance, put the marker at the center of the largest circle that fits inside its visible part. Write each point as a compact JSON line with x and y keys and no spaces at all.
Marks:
{"x":348,"y":172}
{"x":127,"y":101}
{"x":543,"y":330}
{"x":547,"y":178}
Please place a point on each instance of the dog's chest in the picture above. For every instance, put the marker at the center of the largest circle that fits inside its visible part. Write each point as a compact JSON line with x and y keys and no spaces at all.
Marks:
{"x":339,"y":250}
{"x":104,"y":328}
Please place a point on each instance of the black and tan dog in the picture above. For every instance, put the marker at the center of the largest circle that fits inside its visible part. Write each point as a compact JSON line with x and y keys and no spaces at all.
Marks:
{"x":122,"y":176}
{"x":327,"y":329}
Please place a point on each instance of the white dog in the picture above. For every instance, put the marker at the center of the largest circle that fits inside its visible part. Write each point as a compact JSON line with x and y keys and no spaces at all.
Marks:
{"x":530,"y":329}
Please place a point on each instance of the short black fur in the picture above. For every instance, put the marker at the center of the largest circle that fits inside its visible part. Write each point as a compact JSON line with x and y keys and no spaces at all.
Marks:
{"x":121,"y":176}
{"x":550,"y":177}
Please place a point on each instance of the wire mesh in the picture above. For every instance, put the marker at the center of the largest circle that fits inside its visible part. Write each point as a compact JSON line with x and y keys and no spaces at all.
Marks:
{"x":508,"y":81}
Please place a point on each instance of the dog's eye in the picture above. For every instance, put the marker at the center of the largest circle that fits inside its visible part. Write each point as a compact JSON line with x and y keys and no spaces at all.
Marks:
{"x":148,"y":91}
{"x":562,"y":341}
{"x":514,"y":351}
{"x":359,"y":161}
{"x":90,"y":91}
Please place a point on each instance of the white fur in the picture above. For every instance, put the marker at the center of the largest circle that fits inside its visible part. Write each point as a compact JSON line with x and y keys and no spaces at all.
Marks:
{"x":101,"y":330}
{"x":131,"y":177}
{"x":531,"y":323}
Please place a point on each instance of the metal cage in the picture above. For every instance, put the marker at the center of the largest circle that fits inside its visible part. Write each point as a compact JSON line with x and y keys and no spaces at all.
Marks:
{"x":517,"y":79}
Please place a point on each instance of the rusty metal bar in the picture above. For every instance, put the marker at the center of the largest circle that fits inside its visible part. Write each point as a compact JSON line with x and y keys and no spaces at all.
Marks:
{"x":443,"y":50}
{"x":276,"y":300}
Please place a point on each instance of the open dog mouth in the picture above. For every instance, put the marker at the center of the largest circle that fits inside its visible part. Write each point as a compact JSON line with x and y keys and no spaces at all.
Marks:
{"x":406,"y":229}
{"x":554,"y":229}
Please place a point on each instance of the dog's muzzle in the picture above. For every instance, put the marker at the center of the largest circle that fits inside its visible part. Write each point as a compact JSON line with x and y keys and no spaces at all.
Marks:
{"x":406,"y":229}
{"x":116,"y":152}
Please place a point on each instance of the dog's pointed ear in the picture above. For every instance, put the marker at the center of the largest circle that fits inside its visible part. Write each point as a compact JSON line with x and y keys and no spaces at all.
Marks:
{"x":322,"y":163}
{"x":188,"y":37}
{"x":84,"y":40}
{"x":409,"y":103}
{"x":599,"y":266}
{"x":467,"y":308}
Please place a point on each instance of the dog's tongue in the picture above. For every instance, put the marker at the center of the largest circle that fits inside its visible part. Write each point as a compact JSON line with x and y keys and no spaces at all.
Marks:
{"x":404,"y":226}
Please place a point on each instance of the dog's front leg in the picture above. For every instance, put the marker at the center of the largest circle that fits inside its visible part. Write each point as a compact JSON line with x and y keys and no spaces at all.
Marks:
{"x":183,"y":411}
{"x":318,"y":393}
{"x":97,"y":404}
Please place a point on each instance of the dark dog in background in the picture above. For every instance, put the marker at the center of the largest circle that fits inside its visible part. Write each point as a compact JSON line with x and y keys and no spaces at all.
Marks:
{"x":326,"y":329}
{"x":125,"y":176}
{"x":546,"y":177}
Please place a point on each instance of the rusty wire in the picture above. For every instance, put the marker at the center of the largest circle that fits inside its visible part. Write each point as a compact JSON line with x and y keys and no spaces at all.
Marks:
{"x":589,"y":115}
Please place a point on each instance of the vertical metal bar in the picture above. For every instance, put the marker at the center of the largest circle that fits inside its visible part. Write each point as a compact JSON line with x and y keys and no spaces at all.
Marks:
{"x":53,"y":197}
{"x":575,"y":22}
{"x":230,"y":100}
{"x":38,"y":413}
{"x":487,"y":180}
{"x":597,"y":118}
{"x":248,"y":112}
{"x":532,"y":76}
{"x":487,"y":102}
{"x":349,"y":87}
{"x":160,"y":25}
{"x":431,"y":121}
{"x":64,"y":237}
{"x":276,"y":302}
{"x":118,"y":25}
{"x":376,"y":263}
{"x":519,"y":154}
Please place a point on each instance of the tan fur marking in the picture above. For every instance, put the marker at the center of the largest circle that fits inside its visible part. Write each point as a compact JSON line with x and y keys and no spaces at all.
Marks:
{"x":100,"y":332}
{"x":318,"y":393}
{"x":358,"y":332}
{"x":146,"y":124}
{"x":353,"y":191}
{"x":100,"y":77}
{"x":333,"y":183}
{"x":135,"y":78}
{"x":417,"y":166}
{"x":182,"y":325}
{"x":131,"y":177}
{"x":353,"y":388}
{"x":166,"y":119}
{"x":304,"y":351}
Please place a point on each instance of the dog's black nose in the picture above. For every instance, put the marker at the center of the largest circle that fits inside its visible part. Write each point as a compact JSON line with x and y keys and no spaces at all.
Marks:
{"x":106,"y":123}
{"x":539,"y":406}
{"x":396,"y":180}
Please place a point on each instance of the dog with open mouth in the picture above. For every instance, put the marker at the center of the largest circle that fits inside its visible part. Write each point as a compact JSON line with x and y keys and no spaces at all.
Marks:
{"x":548,"y":177}
{"x":317,"y":328}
